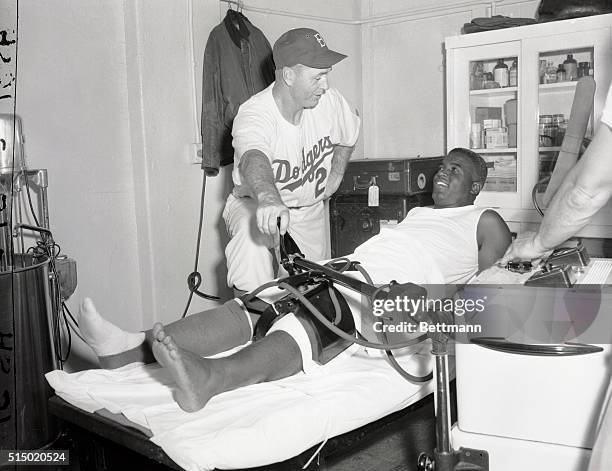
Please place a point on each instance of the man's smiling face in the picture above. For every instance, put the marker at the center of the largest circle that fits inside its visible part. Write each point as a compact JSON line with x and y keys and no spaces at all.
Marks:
{"x":456,"y":183}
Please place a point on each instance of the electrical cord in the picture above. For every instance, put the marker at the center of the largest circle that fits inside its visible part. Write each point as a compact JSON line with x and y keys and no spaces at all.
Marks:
{"x":47,"y":248}
{"x":70,"y":314}
{"x":194,"y":279}
{"x":534,"y":194}
{"x":76,"y":324}
{"x":323,"y":319}
{"x":382,"y":337}
{"x":336,"y":303}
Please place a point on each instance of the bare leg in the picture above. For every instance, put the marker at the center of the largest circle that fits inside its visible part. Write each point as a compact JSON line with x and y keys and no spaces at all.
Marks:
{"x":205,"y":333}
{"x":198,"y":379}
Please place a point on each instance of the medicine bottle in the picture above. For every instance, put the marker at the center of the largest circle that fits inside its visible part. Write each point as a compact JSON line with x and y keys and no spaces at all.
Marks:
{"x":560,"y":73}
{"x":571,"y":68}
{"x":583,"y":69}
{"x":500,"y":73}
{"x":513,"y":74}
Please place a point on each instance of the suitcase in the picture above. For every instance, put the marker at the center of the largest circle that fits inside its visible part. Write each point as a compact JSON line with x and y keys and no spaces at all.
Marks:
{"x":393,"y":176}
{"x":352,"y":221}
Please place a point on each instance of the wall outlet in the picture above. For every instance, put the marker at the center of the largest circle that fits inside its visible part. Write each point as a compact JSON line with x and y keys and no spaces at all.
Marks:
{"x":195,"y":153}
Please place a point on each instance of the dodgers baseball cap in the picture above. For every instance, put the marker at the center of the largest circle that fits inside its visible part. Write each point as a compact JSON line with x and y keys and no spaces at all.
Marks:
{"x":304,"y":46}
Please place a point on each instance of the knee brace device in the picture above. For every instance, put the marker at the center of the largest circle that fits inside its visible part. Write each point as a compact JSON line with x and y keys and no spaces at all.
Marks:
{"x":324,"y":343}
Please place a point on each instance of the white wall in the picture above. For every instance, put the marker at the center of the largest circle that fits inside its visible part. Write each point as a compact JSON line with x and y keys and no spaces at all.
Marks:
{"x":72,"y":97}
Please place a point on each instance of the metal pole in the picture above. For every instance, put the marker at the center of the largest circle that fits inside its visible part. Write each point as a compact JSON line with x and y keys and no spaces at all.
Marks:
{"x":43,"y":183}
{"x":20,"y":221}
{"x":442,"y":402}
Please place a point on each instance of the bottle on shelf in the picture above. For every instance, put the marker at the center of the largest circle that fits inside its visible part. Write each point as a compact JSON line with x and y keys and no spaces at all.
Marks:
{"x":542,"y":70}
{"x":513,"y":74}
{"x":477,"y":76}
{"x":501,"y":73}
{"x":584,"y":69}
{"x":571,"y":68}
{"x":489,"y":82}
{"x":560,"y":73}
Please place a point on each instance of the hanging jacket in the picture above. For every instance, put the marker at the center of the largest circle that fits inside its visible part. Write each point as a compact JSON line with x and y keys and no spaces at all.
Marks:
{"x":237,"y":65}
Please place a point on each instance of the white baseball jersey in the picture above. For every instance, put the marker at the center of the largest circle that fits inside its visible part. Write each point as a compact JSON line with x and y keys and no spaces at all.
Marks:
{"x":300,"y":154}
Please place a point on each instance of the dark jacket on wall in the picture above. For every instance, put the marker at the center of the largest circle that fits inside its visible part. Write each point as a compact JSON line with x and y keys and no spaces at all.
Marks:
{"x":237,"y":65}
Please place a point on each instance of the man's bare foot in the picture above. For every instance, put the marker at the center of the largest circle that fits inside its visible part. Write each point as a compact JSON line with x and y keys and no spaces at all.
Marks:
{"x":196,"y":379}
{"x":104,"y":337}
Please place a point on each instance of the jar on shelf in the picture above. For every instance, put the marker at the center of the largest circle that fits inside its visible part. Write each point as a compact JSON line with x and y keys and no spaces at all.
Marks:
{"x":545,"y":131}
{"x":501,"y":73}
{"x":550,"y":74}
{"x":560,"y":127}
{"x":571,"y":68}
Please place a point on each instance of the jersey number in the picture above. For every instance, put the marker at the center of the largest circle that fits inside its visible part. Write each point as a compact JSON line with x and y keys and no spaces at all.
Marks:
{"x":321,"y":175}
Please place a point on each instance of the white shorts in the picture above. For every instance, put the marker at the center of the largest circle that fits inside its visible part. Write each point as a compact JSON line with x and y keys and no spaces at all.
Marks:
{"x":249,"y":253}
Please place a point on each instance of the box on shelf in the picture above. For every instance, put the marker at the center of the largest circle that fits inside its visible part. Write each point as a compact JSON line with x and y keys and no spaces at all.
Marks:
{"x":496,"y":138}
{"x":512,"y":135}
{"x":510,"y":111}
{"x":487,"y":112}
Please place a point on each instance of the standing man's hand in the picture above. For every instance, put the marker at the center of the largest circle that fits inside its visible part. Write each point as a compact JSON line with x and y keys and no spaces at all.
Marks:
{"x":527,"y":246}
{"x":268,"y":210}
{"x":256,"y":172}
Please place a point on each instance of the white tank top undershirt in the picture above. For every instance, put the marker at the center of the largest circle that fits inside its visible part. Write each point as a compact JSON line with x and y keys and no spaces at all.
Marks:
{"x":429,"y":246}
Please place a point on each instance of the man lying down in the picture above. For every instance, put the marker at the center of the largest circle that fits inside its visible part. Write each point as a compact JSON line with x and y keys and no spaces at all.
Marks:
{"x":448,"y":243}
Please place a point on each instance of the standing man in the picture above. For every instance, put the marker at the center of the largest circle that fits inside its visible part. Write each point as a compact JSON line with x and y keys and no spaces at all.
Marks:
{"x":584,"y":191}
{"x":292,"y":142}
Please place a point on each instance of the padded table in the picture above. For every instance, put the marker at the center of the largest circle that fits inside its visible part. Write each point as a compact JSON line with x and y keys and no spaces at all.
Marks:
{"x":105,"y":441}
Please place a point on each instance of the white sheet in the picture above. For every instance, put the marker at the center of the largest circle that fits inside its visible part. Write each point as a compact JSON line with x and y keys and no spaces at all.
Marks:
{"x":259,"y":424}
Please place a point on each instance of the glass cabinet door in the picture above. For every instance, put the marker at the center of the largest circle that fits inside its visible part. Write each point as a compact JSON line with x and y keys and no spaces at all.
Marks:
{"x":559,"y":61}
{"x":487,"y":117}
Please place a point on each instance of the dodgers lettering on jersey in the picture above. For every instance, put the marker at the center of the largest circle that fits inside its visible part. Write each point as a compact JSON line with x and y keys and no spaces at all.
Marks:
{"x":312,"y":169}
{"x":300,"y":153}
